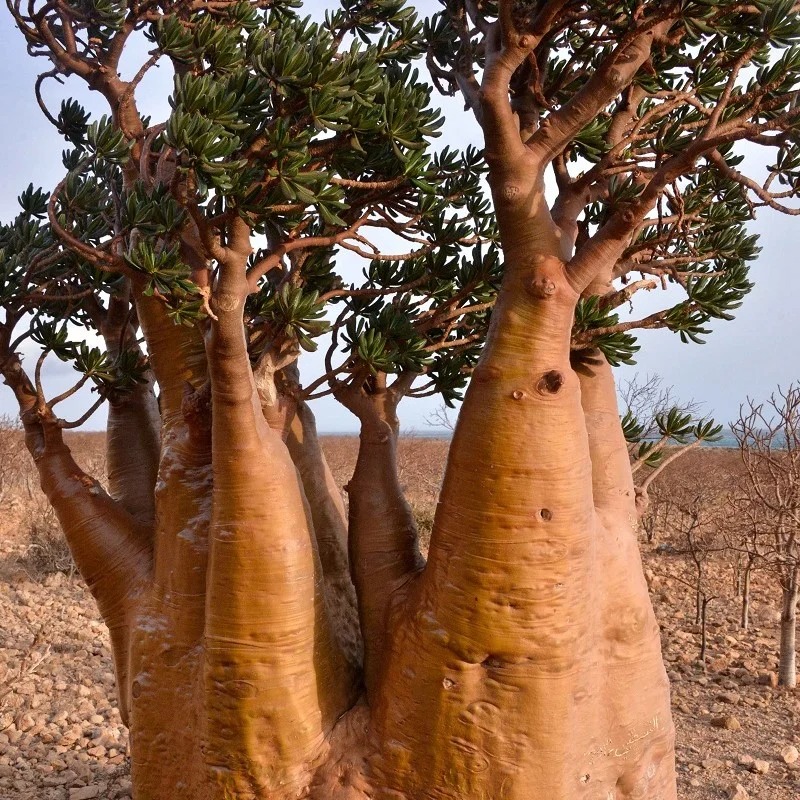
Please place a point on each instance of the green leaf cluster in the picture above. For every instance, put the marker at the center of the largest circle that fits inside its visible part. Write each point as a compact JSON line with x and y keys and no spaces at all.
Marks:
{"x":618,"y":347}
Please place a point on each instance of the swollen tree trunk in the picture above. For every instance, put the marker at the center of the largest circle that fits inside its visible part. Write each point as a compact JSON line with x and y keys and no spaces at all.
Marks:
{"x":529,"y":654}
{"x":787,"y":666}
{"x":521,"y":662}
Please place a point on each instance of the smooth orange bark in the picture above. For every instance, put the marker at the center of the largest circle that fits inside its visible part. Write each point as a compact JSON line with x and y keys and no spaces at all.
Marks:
{"x":521,"y":662}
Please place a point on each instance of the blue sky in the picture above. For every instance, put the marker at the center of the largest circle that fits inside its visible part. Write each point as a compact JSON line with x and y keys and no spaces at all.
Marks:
{"x":750,"y":355}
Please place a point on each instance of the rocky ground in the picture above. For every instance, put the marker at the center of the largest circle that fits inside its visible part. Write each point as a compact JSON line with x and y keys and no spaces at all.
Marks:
{"x":61,"y":737}
{"x":737,"y":735}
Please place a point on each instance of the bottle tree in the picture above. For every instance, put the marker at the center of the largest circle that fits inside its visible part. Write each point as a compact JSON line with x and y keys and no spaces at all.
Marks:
{"x":255,"y":659}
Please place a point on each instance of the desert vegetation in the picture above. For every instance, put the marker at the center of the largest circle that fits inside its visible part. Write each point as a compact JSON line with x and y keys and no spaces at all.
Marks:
{"x":269,"y":639}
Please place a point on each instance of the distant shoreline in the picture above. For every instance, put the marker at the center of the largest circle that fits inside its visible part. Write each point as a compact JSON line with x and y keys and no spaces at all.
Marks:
{"x":727,"y":442}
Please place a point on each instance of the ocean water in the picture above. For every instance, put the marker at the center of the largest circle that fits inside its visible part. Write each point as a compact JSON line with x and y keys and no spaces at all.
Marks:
{"x":727,"y":440}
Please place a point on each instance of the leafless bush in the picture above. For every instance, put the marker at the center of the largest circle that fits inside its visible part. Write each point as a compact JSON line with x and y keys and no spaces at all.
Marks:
{"x":442,"y":418}
{"x":697,"y":525}
{"x":423,"y":515}
{"x":10,"y":678}
{"x":11,"y":447}
{"x":46,"y":551}
{"x":646,"y":397}
{"x":769,"y":439}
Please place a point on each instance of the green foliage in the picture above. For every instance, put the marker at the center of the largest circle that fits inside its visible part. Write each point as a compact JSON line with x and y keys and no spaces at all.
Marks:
{"x":675,"y":426}
{"x":632,"y":428}
{"x":152,"y":213}
{"x":73,"y":121}
{"x":384,"y":339}
{"x":299,"y":128}
{"x":168,"y":278}
{"x":305,"y":129}
{"x":104,"y":140}
{"x":293,"y":313}
{"x":108,"y":374}
{"x":33,"y":202}
{"x":617,"y":346}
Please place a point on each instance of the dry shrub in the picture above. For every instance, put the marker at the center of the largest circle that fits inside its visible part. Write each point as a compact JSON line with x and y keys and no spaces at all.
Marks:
{"x":712,"y":472}
{"x":423,"y":516}
{"x":12,"y":462}
{"x":46,"y":551}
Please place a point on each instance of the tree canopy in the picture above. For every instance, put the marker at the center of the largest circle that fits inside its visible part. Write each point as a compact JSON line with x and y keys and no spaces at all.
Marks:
{"x":320,"y":137}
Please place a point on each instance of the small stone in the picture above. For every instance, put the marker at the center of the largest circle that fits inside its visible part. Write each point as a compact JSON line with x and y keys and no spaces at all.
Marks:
{"x":768,"y":678}
{"x":728,"y":723}
{"x":745,"y":761}
{"x":790,"y":754}
{"x":710,"y":764}
{"x":84,"y":793}
{"x":760,"y":766}
{"x":25,"y":723}
{"x":738,"y":792}
{"x":731,"y":698}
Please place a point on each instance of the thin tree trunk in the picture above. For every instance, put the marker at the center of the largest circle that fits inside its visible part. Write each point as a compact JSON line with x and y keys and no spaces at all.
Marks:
{"x":384,"y":551}
{"x":133,"y":446}
{"x":698,"y":605}
{"x":787,"y":667}
{"x":133,"y":433}
{"x":703,"y":630}
{"x":745,"y":618}
{"x":738,"y":580}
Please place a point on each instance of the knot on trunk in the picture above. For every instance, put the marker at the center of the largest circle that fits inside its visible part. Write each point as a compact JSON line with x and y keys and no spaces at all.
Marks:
{"x":551,"y":382}
{"x":542,"y":288}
